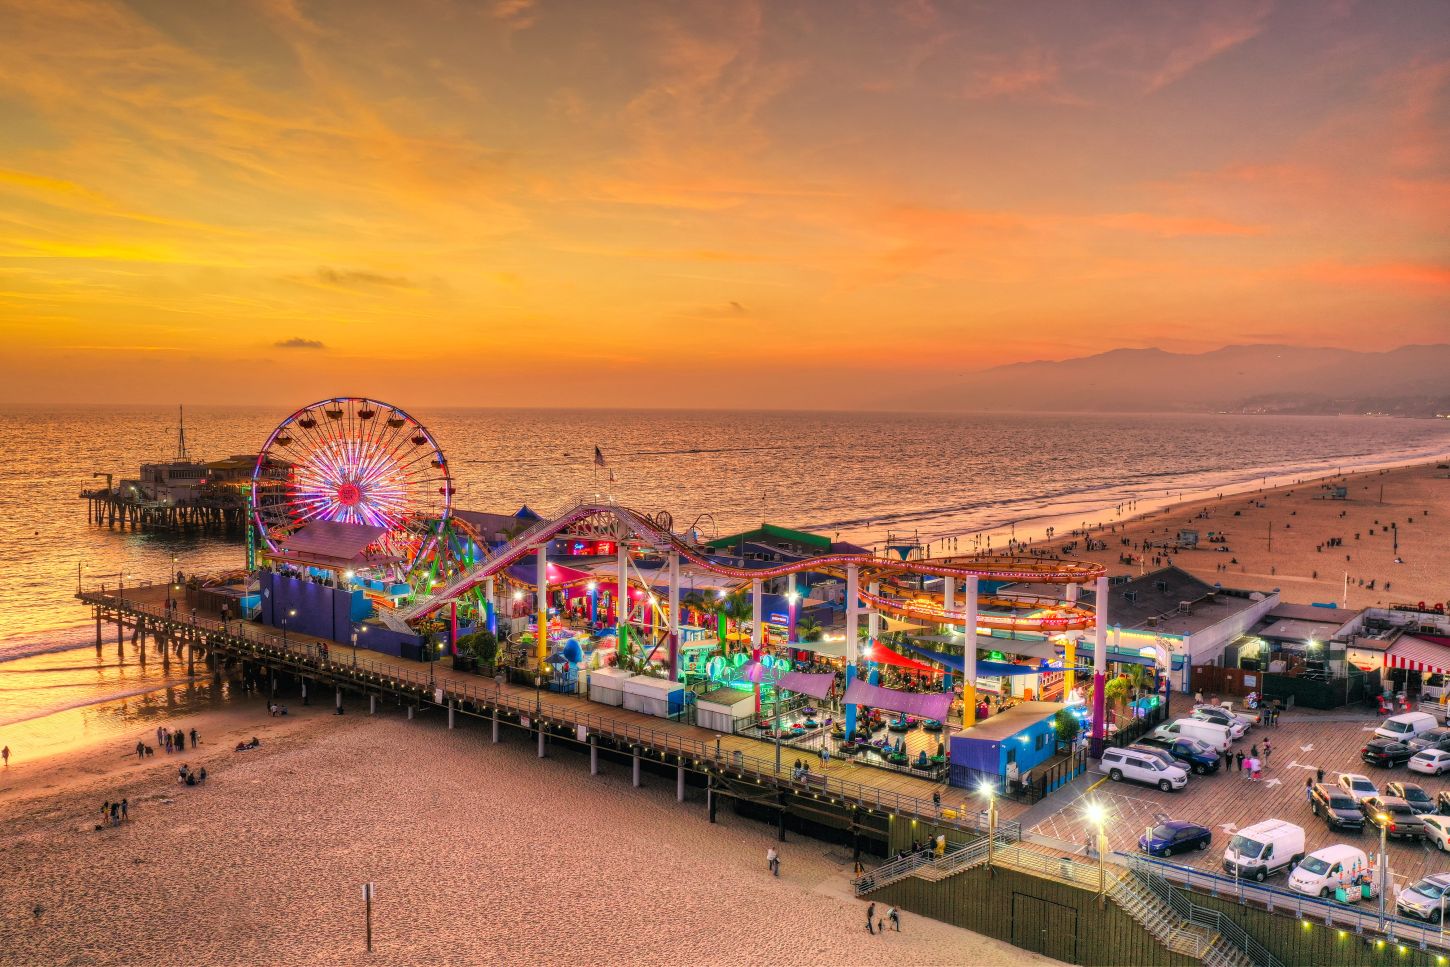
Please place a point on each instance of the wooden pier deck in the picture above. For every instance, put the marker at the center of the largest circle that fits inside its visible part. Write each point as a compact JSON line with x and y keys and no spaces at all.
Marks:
{"x":893,"y":807}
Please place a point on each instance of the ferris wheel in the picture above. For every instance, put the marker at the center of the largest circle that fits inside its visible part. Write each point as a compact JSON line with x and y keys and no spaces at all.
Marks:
{"x":354,"y":461}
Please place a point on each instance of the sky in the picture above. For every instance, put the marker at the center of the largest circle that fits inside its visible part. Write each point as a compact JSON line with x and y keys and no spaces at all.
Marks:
{"x":793,"y":205}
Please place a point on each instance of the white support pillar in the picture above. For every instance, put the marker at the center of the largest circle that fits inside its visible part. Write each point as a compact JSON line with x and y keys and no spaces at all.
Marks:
{"x":621,"y":592}
{"x":636,"y":770}
{"x":452,"y":707}
{"x":873,"y":619}
{"x":541,"y":584}
{"x":490,"y":599}
{"x":593,"y":756}
{"x":792,"y":601}
{"x":949,"y":594}
{"x":410,"y":713}
{"x":339,"y":700}
{"x":853,"y":611}
{"x":970,"y":590}
{"x":1072,"y":593}
{"x":680,"y":782}
{"x":495,"y":726}
{"x":541,"y":741}
{"x":674,"y":616}
{"x":372,"y":705}
{"x":1100,"y":667}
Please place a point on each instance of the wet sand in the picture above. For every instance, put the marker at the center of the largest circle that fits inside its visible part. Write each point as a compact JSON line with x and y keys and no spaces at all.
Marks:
{"x":1300,"y":563}
{"x":480,"y":853}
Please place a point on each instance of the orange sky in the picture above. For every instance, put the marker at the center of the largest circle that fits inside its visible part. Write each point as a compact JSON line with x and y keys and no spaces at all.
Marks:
{"x":719,"y":204}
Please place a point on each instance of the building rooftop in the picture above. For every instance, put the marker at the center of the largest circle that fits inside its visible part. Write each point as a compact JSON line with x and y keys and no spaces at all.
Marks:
{"x":1006,"y":724}
{"x":1154,"y":600}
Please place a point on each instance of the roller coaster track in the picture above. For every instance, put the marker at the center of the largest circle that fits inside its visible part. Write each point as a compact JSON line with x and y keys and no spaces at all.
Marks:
{"x":1061,"y":617}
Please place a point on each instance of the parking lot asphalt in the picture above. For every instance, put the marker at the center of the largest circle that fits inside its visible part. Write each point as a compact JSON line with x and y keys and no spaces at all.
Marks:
{"x":1225,"y":801}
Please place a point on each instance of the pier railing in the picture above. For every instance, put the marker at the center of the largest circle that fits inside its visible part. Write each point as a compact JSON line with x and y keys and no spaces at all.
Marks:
{"x":342,"y":662}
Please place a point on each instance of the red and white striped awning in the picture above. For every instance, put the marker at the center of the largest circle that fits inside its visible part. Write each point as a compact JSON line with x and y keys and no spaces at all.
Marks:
{"x":1418,"y":655}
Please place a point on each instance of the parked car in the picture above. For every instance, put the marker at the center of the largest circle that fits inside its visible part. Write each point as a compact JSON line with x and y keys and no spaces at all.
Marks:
{"x":1437,"y":738}
{"x":1142,"y":767}
{"x":1426,"y":899}
{"x":1159,"y":753}
{"x":1437,"y":831}
{"x":1218,"y":716}
{"x":1325,"y":870}
{"x":1215,"y":736}
{"x":1442,"y":802}
{"x":1175,"y":836}
{"x":1413,"y":794}
{"x":1339,"y":809}
{"x":1432,"y":762}
{"x":1394,"y":815}
{"x":1406,"y":726}
{"x":1198,"y":756}
{"x":1263,"y":849}
{"x":1386,"y":753}
{"x":1359,"y":787}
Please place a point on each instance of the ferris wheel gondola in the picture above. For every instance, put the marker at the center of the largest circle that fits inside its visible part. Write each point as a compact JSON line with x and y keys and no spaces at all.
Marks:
{"x":336,"y":460}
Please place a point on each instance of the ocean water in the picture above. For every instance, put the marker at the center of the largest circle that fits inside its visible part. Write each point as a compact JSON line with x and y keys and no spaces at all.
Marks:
{"x":859,"y":477}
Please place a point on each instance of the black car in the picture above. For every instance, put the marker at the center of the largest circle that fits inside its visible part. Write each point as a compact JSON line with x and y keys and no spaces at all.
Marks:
{"x":1175,"y":836}
{"x":1394,"y":815}
{"x":1413,"y":794}
{"x":1386,"y":753}
{"x":1336,"y":806}
{"x":1191,"y":753}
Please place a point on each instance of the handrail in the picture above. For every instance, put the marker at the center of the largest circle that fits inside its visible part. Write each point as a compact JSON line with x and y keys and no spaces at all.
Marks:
{"x":1328,"y":912}
{"x":1201,"y":915}
{"x":365,"y":671}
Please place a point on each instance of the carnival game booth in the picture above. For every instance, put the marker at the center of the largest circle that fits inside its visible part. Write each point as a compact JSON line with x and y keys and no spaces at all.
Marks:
{"x":721,"y":708}
{"x":655,"y":696}
{"x":1004,"y":750}
{"x":606,"y":685}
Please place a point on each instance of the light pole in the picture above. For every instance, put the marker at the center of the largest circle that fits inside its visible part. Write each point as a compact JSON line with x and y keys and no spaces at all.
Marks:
{"x":1384,"y":823}
{"x":1097,"y":816}
{"x":991,"y":795}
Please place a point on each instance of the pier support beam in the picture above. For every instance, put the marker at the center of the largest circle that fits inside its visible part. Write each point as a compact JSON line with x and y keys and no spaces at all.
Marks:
{"x":410,"y":713}
{"x":541,"y":741}
{"x":305,"y":700}
{"x":98,"y":628}
{"x":495,"y":726}
{"x":710,"y":795}
{"x":593,"y":756}
{"x":451,"y":709}
{"x":372,"y":705}
{"x":970,"y":590}
{"x":680,"y":782}
{"x":635,"y":778}
{"x":339,"y":702}
{"x":780,"y":813}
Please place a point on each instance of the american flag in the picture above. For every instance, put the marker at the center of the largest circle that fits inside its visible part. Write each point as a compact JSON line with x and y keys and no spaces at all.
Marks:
{"x":598,"y":457}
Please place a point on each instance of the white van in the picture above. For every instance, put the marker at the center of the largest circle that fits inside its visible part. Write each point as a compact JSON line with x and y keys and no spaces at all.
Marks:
{"x":1145,"y":767}
{"x":1263,"y":849}
{"x":1326,"y":870}
{"x":1211,"y":734}
{"x":1403,"y":728}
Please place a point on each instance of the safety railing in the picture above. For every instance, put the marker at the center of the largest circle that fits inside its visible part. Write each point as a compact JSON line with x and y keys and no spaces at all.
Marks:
{"x":959,"y":857}
{"x":1330,"y":913}
{"x":1203,"y":916}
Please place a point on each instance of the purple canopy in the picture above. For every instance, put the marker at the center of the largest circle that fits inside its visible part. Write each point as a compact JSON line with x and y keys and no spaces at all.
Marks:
{"x":930,"y":705}
{"x":816,"y":686}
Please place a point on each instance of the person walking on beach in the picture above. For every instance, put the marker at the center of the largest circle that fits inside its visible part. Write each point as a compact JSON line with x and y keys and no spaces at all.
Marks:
{"x":160,"y":735}
{"x":771,"y":857}
{"x":166,"y":742}
{"x":871,"y":919}
{"x":125,"y":809}
{"x":895,"y":919}
{"x":193,"y":738}
{"x":5,"y":754}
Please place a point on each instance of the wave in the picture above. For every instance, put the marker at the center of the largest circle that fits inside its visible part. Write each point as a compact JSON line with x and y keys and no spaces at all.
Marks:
{"x":48,"y":641}
{"x":92,"y":700}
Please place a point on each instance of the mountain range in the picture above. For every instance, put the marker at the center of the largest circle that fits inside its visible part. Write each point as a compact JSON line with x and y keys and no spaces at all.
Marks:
{"x":1408,"y":381}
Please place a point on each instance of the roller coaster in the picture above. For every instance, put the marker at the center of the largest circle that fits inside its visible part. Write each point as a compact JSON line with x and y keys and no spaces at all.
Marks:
{"x":1054,"y":616}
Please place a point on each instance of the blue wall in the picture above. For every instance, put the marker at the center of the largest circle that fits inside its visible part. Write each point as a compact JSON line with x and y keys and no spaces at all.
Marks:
{"x":321,"y":611}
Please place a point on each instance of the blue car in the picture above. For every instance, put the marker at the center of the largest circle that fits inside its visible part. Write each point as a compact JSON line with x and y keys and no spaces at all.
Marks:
{"x":1196,"y":756}
{"x":1175,"y":836}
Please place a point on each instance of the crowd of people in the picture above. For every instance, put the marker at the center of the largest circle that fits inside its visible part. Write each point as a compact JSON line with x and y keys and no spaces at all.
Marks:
{"x":167,"y":740}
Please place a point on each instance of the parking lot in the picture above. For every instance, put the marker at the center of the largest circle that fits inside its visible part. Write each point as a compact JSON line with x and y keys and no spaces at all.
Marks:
{"x":1226,"y":801}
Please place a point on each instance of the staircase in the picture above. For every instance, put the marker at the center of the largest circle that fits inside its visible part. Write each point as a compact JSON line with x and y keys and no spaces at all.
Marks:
{"x":1221,"y":953}
{"x":1155,"y":916}
{"x":923,"y":866}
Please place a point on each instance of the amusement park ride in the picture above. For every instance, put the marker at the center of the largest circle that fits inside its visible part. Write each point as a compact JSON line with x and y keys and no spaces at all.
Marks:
{"x":361,"y":491}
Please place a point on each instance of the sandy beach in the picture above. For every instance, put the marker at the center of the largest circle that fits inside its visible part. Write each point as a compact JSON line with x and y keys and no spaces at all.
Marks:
{"x":480,"y":853}
{"x":1301,"y":562}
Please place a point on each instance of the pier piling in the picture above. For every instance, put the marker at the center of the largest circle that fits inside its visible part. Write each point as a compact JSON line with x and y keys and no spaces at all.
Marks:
{"x":339,"y":707}
{"x":410,"y":713}
{"x":372,"y":705}
{"x":451,"y":705}
{"x":680,"y":782}
{"x":636,"y":769}
{"x":710,"y":795}
{"x":593,"y":756}
{"x":495,"y":726}
{"x":541,"y":742}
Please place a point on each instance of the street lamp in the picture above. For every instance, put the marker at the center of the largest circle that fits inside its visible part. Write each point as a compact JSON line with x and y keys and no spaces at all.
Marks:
{"x":1384,"y":823}
{"x":986,"y":789}
{"x":1097,"y":816}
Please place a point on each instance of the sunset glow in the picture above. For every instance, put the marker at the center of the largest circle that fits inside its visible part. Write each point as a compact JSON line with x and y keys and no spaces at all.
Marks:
{"x":528,"y":202}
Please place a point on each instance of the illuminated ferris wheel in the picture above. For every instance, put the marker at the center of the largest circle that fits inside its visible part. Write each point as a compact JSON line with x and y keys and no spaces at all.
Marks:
{"x":354,"y":461}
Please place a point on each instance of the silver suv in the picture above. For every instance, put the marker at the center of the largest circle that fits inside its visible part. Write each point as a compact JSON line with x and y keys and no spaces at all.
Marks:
{"x":1425,"y":900}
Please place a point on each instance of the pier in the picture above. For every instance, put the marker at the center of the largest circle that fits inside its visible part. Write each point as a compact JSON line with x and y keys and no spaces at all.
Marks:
{"x":121,"y":509}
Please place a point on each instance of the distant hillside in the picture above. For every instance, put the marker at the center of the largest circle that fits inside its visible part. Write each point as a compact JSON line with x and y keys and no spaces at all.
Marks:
{"x":1409,"y":381}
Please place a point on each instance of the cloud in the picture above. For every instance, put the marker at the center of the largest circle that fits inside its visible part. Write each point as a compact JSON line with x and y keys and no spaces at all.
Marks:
{"x":353,"y":277}
{"x":297,"y":342}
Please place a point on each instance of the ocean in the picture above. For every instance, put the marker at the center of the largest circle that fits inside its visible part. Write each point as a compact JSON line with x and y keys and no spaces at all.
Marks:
{"x":859,"y":477}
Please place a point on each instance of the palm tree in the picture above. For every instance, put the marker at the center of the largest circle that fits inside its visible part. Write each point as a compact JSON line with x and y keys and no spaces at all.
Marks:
{"x":808,"y":629}
{"x":737,"y":607}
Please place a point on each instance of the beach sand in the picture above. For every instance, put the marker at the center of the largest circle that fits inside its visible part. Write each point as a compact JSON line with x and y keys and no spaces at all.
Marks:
{"x":1298,"y":563}
{"x":479,"y":853}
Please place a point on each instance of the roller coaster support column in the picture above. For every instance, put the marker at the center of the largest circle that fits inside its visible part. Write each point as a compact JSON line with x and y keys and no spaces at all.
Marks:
{"x":757,"y":630}
{"x":621,"y":595}
{"x":541,"y":645}
{"x":873,"y":620}
{"x":1069,"y":653}
{"x":969,"y":654}
{"x":948,"y":595}
{"x":790,"y":607}
{"x":1100,"y":668}
{"x":853,"y":589}
{"x":674,"y":616}
{"x":490,"y":603}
